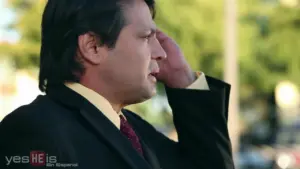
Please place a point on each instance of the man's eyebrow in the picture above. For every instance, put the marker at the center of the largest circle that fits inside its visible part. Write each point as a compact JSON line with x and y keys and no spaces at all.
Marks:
{"x":149,"y":30}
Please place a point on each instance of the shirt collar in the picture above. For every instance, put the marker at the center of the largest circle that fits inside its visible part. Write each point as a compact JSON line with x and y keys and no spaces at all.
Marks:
{"x":98,"y":101}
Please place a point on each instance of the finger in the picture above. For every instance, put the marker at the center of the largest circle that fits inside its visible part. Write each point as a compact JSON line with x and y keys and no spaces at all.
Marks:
{"x":161,"y":36}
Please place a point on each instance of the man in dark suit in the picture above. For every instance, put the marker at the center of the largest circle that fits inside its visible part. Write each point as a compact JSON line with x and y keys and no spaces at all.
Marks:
{"x":98,"y":56}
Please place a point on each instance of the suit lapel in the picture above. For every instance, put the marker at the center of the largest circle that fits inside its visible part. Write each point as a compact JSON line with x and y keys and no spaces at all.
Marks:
{"x":148,"y":153}
{"x":102,"y":126}
{"x":112,"y":137}
{"x":150,"y":156}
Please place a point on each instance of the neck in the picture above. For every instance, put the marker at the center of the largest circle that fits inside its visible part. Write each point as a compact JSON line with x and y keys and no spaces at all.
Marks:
{"x":117,"y":107}
{"x":106,"y":92}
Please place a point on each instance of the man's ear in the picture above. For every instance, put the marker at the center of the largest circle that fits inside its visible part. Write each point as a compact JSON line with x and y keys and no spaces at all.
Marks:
{"x":90,"y":49}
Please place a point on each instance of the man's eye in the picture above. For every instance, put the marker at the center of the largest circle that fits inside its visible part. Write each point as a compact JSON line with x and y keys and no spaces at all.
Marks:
{"x":148,"y":36}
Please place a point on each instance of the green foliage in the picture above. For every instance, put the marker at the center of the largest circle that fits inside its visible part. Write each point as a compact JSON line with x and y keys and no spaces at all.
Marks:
{"x":197,"y":26}
{"x":26,"y":51}
{"x":268,"y":38}
{"x":269,"y":49}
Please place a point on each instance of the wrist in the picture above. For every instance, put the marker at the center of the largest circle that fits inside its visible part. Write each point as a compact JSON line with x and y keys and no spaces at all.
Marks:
{"x":182,"y":79}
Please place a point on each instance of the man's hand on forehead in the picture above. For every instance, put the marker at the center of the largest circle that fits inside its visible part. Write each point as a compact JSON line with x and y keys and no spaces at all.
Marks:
{"x":174,"y":70}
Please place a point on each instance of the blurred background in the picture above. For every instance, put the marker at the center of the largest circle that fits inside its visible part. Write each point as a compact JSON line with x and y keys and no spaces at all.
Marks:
{"x":252,"y":44}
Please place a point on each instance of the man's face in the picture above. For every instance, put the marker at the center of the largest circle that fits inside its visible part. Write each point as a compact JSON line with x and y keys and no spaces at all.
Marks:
{"x":129,"y":67}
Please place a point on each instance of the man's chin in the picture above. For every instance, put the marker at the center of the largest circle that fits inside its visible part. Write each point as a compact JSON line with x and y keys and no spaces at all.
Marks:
{"x":146,"y":96}
{"x":152,"y":92}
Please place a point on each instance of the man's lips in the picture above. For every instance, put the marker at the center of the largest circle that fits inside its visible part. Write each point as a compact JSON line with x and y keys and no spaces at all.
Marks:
{"x":152,"y":77}
{"x":154,"y":73}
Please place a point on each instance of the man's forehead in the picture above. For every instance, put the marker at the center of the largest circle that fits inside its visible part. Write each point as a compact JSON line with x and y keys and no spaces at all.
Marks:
{"x":145,"y":24}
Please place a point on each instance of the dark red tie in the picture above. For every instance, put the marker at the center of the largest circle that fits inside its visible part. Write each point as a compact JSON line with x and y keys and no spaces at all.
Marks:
{"x":128,"y":131}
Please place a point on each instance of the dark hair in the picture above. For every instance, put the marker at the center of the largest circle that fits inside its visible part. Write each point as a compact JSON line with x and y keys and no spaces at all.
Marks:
{"x":63,"y":22}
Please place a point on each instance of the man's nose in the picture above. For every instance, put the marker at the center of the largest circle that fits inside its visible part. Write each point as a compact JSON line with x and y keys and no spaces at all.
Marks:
{"x":158,"y":53}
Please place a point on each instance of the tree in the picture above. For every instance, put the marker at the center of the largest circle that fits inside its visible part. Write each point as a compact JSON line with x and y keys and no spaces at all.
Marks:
{"x":26,"y":52}
{"x":270,"y":51}
{"x":268,"y":47}
{"x":197,"y":27}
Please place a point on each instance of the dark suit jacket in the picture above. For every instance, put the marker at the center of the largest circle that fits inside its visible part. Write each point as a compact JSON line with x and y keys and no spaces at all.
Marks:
{"x":65,"y":125}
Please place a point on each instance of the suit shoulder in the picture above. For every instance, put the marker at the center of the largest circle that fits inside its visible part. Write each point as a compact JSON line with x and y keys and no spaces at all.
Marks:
{"x":20,"y":115}
{"x":27,"y":117}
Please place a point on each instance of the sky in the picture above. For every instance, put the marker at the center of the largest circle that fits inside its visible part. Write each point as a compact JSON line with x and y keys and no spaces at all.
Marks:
{"x":6,"y":17}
